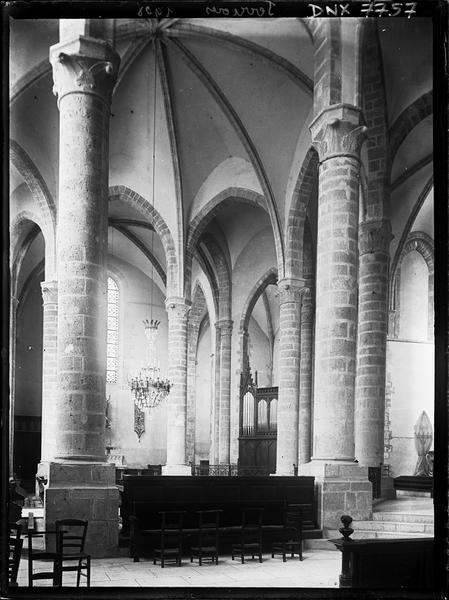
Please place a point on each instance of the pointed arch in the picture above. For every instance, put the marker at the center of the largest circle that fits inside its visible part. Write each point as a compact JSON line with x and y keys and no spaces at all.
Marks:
{"x":306,"y":188}
{"x":208,"y":212}
{"x":141,"y":205}
{"x":270,"y":277}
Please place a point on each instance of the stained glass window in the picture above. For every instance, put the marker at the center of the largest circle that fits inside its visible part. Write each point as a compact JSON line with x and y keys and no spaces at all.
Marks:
{"x":112,"y":332}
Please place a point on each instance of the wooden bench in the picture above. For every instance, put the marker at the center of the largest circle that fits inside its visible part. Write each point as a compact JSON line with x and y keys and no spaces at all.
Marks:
{"x":406,"y":563}
{"x":143,"y":498}
{"x":411,"y":483}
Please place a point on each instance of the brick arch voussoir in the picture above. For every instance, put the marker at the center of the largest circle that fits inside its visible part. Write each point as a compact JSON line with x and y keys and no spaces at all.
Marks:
{"x":223,"y":277}
{"x":135,"y":200}
{"x":34,"y":180}
{"x":421,"y":108}
{"x":305,"y":187}
{"x":18,"y":231}
{"x":423,"y":244}
{"x":205,"y":216}
{"x":270,"y":277}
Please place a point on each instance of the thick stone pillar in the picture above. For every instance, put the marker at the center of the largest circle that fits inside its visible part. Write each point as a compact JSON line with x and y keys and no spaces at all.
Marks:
{"x":374,"y":242}
{"x":81,"y":484}
{"x":342,"y":485}
{"x":224,"y":444}
{"x":49,"y":365}
{"x":216,"y":399}
{"x":290,"y":291}
{"x":305,"y":386}
{"x":178,"y":310}
{"x":337,"y":134}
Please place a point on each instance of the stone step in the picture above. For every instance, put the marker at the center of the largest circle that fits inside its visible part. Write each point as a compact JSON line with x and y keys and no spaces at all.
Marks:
{"x":395,"y":526}
{"x":320,"y":544}
{"x":403,"y":517}
{"x":363,"y":534}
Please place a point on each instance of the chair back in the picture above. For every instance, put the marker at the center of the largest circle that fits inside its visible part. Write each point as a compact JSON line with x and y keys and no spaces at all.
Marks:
{"x":15,"y":550}
{"x":252,"y":525}
{"x":70,"y":536}
{"x":293,"y":521}
{"x":208,"y":524}
{"x":171,"y":528}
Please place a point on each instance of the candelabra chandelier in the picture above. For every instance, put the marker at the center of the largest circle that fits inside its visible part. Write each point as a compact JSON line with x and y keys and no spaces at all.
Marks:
{"x":149,"y":387}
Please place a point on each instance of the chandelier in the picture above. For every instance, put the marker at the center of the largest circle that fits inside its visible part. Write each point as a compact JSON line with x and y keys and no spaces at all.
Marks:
{"x":149,"y":387}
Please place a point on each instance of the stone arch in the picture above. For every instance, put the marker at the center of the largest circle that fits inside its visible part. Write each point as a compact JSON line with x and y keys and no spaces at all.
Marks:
{"x":421,"y":108}
{"x":270,"y":277}
{"x":223,"y":277}
{"x":209,"y":211}
{"x":44,"y":201}
{"x":306,"y":186}
{"x":423,"y":244}
{"x":24,"y":229}
{"x":144,"y":207}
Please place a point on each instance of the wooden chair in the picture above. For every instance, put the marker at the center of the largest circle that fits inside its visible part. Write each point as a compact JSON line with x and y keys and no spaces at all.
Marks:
{"x":251,"y":534}
{"x":208,"y":536}
{"x":15,"y":551}
{"x":171,"y":538}
{"x":291,"y":542}
{"x":35,"y":554}
{"x":70,"y":541}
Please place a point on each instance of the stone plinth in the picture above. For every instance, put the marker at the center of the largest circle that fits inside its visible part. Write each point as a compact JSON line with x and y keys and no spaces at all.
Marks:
{"x":341,"y":488}
{"x":176,"y":470}
{"x":86,"y":491}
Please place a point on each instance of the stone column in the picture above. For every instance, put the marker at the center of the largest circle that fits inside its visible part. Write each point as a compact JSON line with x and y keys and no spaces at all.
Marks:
{"x":374,"y":242}
{"x":290,"y":291}
{"x":49,"y":379}
{"x":305,"y":375}
{"x":337,"y":134}
{"x":224,"y":443}
{"x":216,"y":399}
{"x":342,"y":485}
{"x":178,"y":310}
{"x":81,"y":484}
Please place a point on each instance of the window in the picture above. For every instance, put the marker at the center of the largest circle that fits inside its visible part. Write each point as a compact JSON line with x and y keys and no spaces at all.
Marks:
{"x":112,"y":332}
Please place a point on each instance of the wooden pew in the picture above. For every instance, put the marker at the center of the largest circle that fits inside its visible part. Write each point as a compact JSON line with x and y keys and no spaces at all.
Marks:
{"x":144,"y":497}
{"x":406,"y":563}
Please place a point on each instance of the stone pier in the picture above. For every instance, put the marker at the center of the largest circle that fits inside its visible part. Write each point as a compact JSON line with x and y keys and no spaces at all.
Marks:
{"x":80,"y":483}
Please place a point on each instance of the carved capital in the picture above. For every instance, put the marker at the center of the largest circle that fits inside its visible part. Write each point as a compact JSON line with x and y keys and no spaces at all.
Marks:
{"x":49,"y":292}
{"x":177,"y":308}
{"x":225,"y":327}
{"x":290,"y":290}
{"x":374,"y":236}
{"x":338,"y":131}
{"x":84,"y":65}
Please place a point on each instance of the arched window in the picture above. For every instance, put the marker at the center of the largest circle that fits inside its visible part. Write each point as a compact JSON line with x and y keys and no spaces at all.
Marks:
{"x":112,"y":332}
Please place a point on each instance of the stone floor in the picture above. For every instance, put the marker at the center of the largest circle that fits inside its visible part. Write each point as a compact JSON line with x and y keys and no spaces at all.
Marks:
{"x":319,"y":569}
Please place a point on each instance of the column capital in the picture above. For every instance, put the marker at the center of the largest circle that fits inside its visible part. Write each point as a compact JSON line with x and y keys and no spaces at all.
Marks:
{"x":338,"y":130}
{"x":49,"y":292}
{"x":290,"y":290}
{"x":375,"y":236}
{"x":84,"y":65}
{"x":225,"y":326}
{"x":177,"y":307}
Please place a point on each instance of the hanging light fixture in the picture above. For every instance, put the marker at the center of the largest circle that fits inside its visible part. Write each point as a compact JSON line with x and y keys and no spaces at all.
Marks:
{"x":150,"y":387}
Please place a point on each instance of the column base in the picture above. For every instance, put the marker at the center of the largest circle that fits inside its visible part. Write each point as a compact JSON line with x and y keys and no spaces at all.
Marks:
{"x":80,"y":490}
{"x":185,"y":470}
{"x":342,"y":488}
